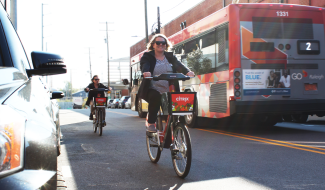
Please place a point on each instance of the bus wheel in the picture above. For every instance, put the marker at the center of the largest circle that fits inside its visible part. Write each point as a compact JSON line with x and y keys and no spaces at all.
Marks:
{"x":140,"y":112}
{"x":299,"y":118}
{"x":269,"y":120}
{"x":286,"y":118}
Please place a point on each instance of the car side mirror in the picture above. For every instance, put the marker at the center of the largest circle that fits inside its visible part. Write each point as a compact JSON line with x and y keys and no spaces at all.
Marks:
{"x":57,"y":95}
{"x":46,"y":64}
{"x":125,"y":81}
{"x":135,"y":81}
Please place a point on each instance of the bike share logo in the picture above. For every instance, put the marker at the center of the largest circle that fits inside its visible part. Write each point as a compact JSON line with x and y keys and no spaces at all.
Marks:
{"x":298,"y":76}
{"x":319,"y":77}
{"x":182,"y":99}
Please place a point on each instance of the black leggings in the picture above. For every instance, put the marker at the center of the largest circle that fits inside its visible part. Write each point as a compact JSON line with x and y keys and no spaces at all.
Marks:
{"x":154,"y":105}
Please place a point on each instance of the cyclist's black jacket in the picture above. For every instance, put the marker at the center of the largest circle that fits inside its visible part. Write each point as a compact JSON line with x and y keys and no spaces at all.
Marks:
{"x":91,"y":95}
{"x":148,"y":63}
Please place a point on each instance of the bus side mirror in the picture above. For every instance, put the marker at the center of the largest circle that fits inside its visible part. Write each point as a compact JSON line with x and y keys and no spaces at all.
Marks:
{"x":125,"y":81}
{"x":135,"y":81}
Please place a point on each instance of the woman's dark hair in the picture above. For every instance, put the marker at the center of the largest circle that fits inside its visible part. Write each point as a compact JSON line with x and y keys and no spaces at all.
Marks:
{"x":94,"y":77}
{"x":153,"y":40}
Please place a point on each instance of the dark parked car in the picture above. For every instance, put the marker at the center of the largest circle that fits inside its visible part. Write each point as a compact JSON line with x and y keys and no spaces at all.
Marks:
{"x":122,"y":101}
{"x":76,"y":106}
{"x":29,"y":120}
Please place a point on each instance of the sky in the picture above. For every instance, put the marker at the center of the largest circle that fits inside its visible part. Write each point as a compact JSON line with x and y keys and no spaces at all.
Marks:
{"x":73,"y":28}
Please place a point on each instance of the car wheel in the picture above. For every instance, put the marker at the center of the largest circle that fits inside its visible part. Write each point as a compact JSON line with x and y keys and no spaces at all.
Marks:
{"x":58,"y":139}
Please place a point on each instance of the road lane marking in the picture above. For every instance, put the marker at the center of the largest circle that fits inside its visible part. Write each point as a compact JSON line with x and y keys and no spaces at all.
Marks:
{"x":248,"y":137}
{"x":283,"y":142}
{"x":267,"y":142}
{"x":121,"y":113}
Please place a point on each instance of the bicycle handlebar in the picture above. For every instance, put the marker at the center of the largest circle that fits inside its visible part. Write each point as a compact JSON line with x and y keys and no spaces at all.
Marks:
{"x":170,"y":76}
{"x":99,"y":89}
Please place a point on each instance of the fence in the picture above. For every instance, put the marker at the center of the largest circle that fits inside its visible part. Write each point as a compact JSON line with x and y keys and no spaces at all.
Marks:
{"x":65,"y":105}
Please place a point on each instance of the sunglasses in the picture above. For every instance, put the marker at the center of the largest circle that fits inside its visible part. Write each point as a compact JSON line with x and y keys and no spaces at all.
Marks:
{"x":96,"y":79}
{"x":160,"y":42}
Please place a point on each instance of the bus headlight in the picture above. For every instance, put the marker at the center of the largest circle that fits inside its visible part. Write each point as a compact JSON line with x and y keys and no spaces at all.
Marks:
{"x":12,"y":130}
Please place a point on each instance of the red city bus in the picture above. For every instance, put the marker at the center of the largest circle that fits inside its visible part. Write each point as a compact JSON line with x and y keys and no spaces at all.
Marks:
{"x":262,"y":60}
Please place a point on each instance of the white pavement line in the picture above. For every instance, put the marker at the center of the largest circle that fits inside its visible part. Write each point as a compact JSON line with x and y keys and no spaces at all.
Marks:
{"x":66,"y":171}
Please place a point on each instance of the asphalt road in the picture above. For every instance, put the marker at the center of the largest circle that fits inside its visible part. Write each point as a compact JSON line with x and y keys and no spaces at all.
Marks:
{"x":235,"y":156}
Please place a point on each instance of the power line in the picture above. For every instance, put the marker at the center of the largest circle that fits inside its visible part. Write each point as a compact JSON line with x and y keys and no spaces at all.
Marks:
{"x":173,"y":7}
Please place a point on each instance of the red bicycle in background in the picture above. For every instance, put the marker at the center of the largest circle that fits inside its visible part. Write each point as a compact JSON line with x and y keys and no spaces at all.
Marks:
{"x":100,"y":103}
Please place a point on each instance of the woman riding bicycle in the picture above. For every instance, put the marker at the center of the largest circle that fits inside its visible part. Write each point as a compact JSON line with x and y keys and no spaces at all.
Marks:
{"x":94,"y":85}
{"x":155,"y":62}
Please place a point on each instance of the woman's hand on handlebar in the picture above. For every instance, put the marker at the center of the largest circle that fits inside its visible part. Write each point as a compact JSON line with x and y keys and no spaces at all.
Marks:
{"x":87,"y":89}
{"x":190,"y":74}
{"x":146,"y":74}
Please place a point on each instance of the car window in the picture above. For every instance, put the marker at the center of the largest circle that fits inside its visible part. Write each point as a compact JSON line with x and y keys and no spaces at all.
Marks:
{"x":17,"y":51}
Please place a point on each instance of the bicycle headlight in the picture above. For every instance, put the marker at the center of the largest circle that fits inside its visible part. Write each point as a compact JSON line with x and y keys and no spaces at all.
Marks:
{"x":12,"y":127}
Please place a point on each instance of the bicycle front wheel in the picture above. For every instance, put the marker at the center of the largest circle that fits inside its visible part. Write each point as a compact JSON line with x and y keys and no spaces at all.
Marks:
{"x":182,"y":152}
{"x":153,"y":148}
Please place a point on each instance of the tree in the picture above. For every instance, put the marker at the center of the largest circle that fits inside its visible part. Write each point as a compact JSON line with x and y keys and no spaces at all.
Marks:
{"x":68,"y":89}
{"x":198,"y":63}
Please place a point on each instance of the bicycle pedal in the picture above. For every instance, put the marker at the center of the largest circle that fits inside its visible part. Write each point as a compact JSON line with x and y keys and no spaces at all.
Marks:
{"x":176,"y":157}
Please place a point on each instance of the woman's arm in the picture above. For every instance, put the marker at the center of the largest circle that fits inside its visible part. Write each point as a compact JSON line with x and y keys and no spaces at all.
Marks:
{"x":88,"y":87}
{"x":145,"y":65}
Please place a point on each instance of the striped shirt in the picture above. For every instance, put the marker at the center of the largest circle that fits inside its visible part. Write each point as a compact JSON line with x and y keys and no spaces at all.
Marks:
{"x":162,"y":66}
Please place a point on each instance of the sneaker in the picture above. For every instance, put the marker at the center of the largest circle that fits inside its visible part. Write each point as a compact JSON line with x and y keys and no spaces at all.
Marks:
{"x":152,"y":128}
{"x":91,"y":117}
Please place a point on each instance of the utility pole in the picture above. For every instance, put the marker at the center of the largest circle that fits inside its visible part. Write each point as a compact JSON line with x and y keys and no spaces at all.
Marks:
{"x":90,"y":65}
{"x":158,"y":16}
{"x":145,"y":14}
{"x":42,"y":26}
{"x":108,"y":83}
{"x":13,"y":12}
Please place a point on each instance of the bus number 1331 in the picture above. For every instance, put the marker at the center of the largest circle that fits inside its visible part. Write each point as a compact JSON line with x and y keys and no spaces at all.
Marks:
{"x":282,"y":13}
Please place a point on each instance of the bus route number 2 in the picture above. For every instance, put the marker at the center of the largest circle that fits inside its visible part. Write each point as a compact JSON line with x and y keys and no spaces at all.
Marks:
{"x":308,"y":44}
{"x":282,"y":13}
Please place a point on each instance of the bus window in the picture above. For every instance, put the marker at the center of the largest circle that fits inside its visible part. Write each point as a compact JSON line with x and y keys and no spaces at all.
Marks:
{"x":199,"y":54}
{"x":222,"y":49}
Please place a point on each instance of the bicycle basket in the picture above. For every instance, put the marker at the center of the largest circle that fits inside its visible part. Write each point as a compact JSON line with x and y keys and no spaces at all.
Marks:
{"x":178,"y":103}
{"x":100,"y":102}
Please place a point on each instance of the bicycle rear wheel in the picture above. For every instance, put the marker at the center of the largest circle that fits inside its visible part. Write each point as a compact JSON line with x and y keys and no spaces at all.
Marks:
{"x":100,"y":123}
{"x":153,"y":148}
{"x":182,"y":154}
